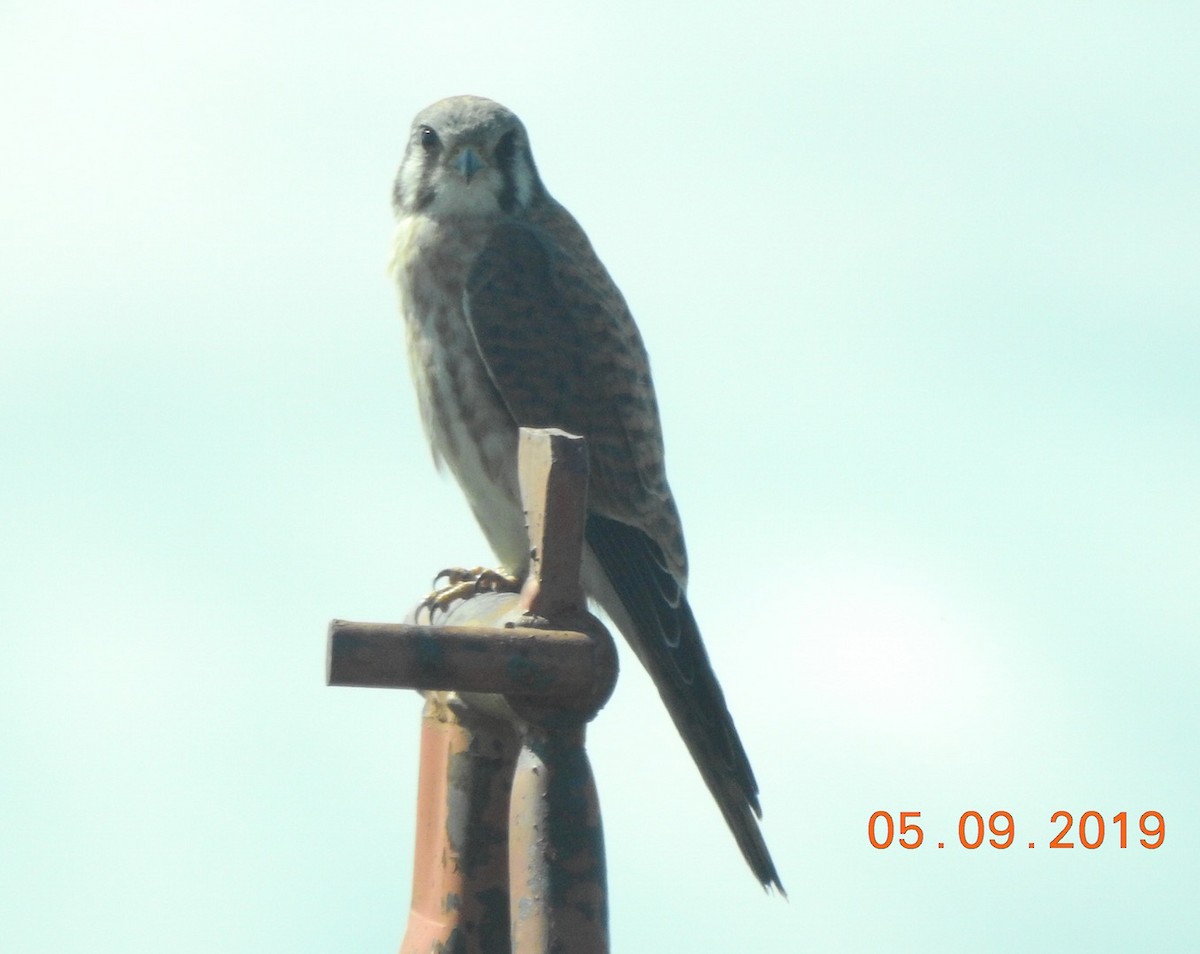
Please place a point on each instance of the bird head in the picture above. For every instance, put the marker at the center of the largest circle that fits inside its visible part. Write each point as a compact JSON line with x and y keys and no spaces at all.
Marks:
{"x":466,"y":156}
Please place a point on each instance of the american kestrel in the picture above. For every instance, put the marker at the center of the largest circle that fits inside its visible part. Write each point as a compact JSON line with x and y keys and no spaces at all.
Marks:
{"x":512,"y":321}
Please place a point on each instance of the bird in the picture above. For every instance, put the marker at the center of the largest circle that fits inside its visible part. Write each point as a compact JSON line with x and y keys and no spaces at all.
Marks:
{"x":512,"y":321}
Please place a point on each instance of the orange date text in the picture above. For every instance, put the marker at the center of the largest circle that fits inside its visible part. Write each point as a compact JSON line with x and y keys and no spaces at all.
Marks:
{"x":1089,"y":830}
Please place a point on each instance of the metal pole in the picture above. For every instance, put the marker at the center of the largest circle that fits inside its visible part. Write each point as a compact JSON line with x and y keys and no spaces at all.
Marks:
{"x":511,"y":683}
{"x":460,"y":863}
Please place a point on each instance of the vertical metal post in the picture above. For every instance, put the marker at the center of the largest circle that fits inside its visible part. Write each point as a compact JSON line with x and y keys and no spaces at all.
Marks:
{"x":460,"y":859}
{"x":556,"y":847}
{"x":556,"y":844}
{"x":509,"y":852}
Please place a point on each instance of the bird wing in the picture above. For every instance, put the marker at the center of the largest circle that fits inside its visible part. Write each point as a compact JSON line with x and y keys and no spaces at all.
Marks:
{"x":563,"y":351}
{"x":663,"y":632}
{"x":533,"y":350}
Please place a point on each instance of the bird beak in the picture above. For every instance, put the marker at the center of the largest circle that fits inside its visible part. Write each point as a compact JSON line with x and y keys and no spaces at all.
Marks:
{"x":468,"y":163}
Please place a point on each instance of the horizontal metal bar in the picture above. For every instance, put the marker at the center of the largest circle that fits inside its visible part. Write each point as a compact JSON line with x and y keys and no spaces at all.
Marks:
{"x":519,"y":661}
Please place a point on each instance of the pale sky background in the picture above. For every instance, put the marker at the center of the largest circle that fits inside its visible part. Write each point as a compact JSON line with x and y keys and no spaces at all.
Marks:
{"x":921,"y":285}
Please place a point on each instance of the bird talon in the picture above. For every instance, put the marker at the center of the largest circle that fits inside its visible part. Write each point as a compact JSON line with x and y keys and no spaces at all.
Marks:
{"x":496,"y":581}
{"x":462,"y":584}
{"x":453,"y":575}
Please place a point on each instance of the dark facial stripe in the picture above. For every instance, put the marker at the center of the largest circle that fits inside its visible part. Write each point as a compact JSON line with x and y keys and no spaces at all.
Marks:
{"x":503,"y":157}
{"x":424,"y":197}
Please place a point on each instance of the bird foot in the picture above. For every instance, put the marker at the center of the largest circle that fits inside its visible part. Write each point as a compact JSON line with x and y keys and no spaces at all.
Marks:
{"x":462,"y":584}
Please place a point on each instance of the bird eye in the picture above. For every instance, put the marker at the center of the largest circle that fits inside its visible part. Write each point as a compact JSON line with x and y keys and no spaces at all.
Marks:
{"x":429,"y":139}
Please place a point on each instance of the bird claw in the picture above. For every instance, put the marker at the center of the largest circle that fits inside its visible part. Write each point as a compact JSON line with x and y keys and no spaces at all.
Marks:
{"x":462,"y":584}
